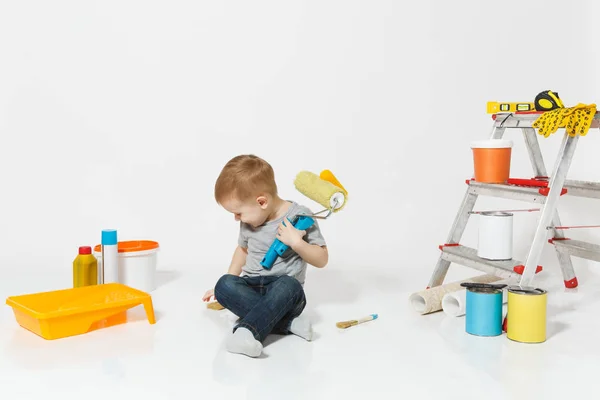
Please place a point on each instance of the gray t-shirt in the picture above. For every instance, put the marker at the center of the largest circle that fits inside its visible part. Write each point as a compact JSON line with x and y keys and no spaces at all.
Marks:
{"x":258,"y":240}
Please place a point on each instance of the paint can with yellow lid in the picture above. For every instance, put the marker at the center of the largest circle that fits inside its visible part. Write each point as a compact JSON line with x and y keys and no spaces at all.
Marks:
{"x":526,"y":314}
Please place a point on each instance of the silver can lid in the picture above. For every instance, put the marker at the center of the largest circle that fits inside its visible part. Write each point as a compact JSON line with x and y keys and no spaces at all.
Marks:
{"x":485,"y":290}
{"x":497,"y":213}
{"x":527,"y":290}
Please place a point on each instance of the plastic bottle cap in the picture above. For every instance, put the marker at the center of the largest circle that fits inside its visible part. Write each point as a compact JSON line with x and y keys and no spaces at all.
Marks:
{"x":109,"y":237}
{"x":85,"y":250}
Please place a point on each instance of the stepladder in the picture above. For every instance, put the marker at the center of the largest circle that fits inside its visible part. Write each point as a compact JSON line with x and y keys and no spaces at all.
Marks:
{"x":543,"y":189}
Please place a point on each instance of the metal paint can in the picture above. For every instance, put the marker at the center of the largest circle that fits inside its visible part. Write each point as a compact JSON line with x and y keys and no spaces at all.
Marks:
{"x":483,"y":316}
{"x":526,"y":315}
{"x":495,"y":235}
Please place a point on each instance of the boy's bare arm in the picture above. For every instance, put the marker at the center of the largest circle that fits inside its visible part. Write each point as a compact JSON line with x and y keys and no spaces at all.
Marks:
{"x":312,"y":253}
{"x":238,"y":261}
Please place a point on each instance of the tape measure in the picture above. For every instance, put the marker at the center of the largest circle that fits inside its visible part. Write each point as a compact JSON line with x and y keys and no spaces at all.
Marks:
{"x":547,"y":101}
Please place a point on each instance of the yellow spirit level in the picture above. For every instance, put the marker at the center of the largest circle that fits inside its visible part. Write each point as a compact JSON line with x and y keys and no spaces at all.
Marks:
{"x":544,"y":101}
{"x":494,"y":107}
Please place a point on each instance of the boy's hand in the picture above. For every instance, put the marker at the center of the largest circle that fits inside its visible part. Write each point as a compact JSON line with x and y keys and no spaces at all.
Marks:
{"x":207,"y":296}
{"x":288,"y":234}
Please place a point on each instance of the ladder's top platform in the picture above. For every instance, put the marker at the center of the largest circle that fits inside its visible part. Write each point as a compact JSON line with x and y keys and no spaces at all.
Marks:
{"x":525,"y":119}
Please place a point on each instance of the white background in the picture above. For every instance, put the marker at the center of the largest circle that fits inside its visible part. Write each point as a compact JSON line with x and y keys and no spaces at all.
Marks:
{"x":120,"y":114}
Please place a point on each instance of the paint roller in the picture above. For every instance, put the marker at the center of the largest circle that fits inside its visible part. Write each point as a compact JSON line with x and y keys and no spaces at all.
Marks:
{"x":324,"y":189}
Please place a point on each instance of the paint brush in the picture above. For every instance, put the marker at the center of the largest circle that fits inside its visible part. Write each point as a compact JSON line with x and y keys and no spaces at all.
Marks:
{"x":348,"y":324}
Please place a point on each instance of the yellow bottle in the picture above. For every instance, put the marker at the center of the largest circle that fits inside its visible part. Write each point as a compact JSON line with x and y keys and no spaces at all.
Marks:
{"x":85,"y":268}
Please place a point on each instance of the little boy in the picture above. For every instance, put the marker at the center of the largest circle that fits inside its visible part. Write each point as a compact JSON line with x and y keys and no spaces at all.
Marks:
{"x":265,"y":300}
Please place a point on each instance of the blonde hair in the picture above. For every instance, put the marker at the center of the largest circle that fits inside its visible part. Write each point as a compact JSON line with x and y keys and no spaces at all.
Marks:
{"x":243,"y":177}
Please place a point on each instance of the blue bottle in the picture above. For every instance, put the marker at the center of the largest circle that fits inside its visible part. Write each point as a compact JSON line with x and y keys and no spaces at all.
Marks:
{"x":277,"y":248}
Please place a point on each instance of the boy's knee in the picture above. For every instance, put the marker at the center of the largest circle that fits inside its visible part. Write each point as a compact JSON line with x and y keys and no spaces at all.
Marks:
{"x":225,"y":284}
{"x":295,"y":291}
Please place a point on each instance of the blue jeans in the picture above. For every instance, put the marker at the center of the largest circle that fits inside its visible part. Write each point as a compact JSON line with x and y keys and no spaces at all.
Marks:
{"x":265,"y":304}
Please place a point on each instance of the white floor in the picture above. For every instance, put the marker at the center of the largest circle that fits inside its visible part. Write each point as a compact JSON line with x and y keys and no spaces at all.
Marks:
{"x":400,"y":355}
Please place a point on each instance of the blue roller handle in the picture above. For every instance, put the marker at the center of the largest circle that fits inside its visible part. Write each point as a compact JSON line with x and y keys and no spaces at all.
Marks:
{"x":301,"y":222}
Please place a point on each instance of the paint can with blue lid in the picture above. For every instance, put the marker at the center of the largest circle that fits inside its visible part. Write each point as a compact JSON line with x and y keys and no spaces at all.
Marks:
{"x":483,"y":316}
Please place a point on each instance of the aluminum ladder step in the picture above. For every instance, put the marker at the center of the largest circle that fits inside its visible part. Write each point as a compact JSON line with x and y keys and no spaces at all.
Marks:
{"x":514,"y":192}
{"x":467,"y":256}
{"x":577,"y":248}
{"x":534,"y":194}
{"x":526,"y":120}
{"x":583,"y":189}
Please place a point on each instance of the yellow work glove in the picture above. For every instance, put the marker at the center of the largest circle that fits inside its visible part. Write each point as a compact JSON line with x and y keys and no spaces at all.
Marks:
{"x":577,"y":120}
{"x":580,"y":120}
{"x":550,"y":121}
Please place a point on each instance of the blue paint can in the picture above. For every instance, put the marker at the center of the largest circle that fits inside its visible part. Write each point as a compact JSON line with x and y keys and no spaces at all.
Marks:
{"x":483,"y":316}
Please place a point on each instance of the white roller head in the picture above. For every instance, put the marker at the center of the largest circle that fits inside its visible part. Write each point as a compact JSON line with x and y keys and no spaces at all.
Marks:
{"x":340,"y":198}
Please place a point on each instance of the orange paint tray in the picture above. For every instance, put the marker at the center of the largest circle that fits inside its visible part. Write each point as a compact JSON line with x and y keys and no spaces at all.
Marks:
{"x":69,"y":312}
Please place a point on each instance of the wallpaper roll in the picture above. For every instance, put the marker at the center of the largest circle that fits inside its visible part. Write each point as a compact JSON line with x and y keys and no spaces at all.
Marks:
{"x":455,"y":303}
{"x":430,"y":300}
